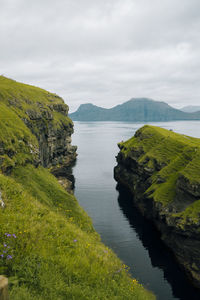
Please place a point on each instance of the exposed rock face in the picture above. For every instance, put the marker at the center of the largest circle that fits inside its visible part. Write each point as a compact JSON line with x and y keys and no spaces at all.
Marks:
{"x":42,"y":130}
{"x":174,"y":218}
{"x":55,"y":147}
{"x":54,"y":142}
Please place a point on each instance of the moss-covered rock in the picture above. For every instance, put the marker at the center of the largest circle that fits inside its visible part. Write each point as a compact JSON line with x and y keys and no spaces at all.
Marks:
{"x":162,"y":170}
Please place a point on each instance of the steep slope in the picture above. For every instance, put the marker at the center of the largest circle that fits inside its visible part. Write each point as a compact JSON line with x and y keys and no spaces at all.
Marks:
{"x":45,"y":114}
{"x":48,"y":246}
{"x":134,"y":110}
{"x":162,"y":170}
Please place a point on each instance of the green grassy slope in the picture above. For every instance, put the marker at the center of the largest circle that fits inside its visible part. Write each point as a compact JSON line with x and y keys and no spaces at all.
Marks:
{"x":21,"y":104}
{"x":48,"y":247}
{"x":176,"y":155}
{"x":22,"y":97}
{"x":56,"y":253}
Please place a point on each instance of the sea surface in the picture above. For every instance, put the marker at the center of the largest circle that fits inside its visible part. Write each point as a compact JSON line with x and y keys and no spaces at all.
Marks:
{"x":119,"y":224}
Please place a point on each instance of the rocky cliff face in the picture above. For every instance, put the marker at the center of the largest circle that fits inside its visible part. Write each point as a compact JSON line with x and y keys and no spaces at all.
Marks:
{"x":54,"y":141}
{"x":161,"y":169}
{"x":45,"y":133}
{"x":55,"y":149}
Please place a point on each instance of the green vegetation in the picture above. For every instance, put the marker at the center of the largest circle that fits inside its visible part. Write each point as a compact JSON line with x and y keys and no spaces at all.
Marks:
{"x":56,"y":253}
{"x":26,"y":112}
{"x":48,"y":246}
{"x":32,"y":102}
{"x":169,"y":156}
{"x":17,"y":144}
{"x":11,"y":90}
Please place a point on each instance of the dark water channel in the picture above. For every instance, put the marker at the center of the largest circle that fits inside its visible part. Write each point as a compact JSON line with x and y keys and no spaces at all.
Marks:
{"x":120,"y":225}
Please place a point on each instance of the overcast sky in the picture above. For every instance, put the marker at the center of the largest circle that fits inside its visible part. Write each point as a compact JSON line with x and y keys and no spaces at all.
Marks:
{"x":104,"y":51}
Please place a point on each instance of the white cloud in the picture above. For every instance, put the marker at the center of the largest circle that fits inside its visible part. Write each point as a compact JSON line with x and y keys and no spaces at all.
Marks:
{"x":104,"y":51}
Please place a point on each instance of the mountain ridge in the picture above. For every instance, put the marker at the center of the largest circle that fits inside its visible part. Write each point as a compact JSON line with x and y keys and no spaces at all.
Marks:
{"x":135,"y":109}
{"x":190,"y":108}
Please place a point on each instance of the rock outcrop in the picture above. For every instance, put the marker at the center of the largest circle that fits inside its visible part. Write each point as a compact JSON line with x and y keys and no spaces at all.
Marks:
{"x":54,"y":141}
{"x":162,"y":171}
{"x":46,"y":128}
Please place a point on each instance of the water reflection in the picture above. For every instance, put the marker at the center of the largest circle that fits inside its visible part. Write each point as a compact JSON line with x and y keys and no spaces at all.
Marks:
{"x":133,"y":240}
{"x":159,"y":254}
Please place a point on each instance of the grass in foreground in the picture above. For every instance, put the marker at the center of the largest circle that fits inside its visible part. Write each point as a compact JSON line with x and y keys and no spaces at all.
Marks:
{"x":54,"y":251}
{"x":48,"y":246}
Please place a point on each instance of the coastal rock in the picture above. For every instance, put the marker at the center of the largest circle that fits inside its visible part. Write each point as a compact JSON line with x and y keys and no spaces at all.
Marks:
{"x":160,"y":168}
{"x":54,"y":141}
{"x":41,"y":129}
{"x":55,"y":149}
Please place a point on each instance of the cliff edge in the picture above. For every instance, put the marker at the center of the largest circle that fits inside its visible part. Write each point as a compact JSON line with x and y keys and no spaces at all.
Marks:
{"x":162,"y":170}
{"x":35,"y":128}
{"x":48,"y":246}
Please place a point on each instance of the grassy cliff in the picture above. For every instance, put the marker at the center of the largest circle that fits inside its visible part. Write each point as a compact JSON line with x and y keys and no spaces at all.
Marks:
{"x":171,"y":157}
{"x":48,"y":246}
{"x":162,"y":170}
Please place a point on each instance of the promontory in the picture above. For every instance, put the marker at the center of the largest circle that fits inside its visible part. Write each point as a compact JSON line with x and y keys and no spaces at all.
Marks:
{"x":162,"y":170}
{"x":48,"y":246}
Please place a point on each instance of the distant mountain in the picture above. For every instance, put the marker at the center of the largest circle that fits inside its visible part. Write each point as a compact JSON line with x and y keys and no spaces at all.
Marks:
{"x":134,"y":110}
{"x":190,"y":108}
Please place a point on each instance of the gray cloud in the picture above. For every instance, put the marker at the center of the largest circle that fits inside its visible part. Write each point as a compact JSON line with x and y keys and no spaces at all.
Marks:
{"x":105,"y":51}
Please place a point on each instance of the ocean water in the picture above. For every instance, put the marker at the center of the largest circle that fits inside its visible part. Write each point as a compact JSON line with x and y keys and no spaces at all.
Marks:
{"x":120,"y":225}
